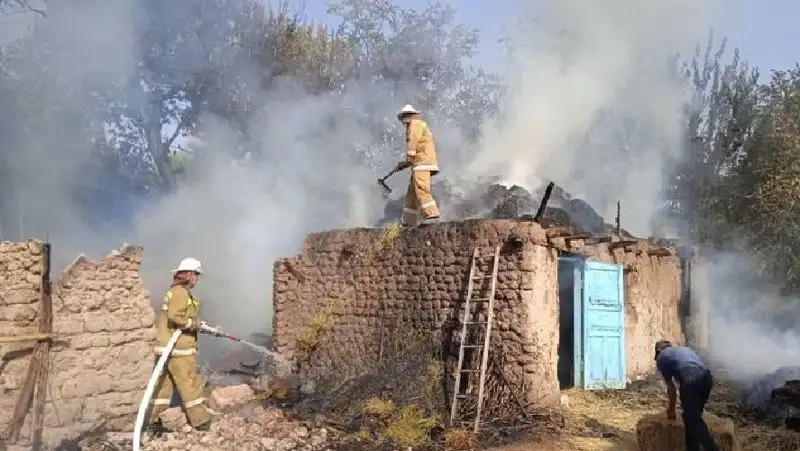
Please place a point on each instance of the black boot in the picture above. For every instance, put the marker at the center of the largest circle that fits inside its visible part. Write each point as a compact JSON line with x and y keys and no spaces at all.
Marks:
{"x":155,"y":429}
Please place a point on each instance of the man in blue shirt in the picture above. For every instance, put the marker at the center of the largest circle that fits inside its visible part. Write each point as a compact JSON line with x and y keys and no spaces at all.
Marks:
{"x":681,"y":364}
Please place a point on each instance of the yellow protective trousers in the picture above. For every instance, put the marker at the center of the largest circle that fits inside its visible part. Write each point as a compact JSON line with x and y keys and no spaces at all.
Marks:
{"x":419,"y":199}
{"x":181,"y":374}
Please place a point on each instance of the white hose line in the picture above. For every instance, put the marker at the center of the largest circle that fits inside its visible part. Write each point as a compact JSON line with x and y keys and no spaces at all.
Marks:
{"x":151,"y":387}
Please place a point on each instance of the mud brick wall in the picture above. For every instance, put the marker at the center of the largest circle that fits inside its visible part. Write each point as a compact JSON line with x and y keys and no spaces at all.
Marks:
{"x":101,"y":357}
{"x":421,"y":280}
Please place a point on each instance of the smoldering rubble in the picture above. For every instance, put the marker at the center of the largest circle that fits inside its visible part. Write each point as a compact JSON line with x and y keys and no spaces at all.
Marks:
{"x":488,"y":199}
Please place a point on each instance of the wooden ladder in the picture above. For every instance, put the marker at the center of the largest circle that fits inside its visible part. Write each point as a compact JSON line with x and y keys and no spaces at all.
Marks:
{"x":483,"y":348}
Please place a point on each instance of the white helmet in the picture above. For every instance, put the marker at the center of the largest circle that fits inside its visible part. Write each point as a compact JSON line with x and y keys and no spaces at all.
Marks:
{"x":408,"y":109}
{"x":189,"y":264}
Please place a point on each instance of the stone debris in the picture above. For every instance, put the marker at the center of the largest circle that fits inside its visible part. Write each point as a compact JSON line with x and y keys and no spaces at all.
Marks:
{"x":253,"y":428}
{"x":223,"y":398}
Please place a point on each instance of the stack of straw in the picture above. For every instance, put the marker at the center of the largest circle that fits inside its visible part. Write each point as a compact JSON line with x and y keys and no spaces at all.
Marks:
{"x":657,"y":433}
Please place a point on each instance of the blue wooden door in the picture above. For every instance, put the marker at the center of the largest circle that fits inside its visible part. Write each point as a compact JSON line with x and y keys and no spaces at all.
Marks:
{"x":603,"y":318}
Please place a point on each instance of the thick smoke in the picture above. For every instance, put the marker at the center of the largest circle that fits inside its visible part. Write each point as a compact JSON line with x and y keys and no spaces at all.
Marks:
{"x":237,"y":216}
{"x":753,"y":329}
{"x":592,"y":103}
{"x":578,"y":68}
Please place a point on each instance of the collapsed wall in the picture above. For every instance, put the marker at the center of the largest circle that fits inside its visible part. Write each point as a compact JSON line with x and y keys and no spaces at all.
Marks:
{"x":100,"y":357}
{"x":367,"y":288}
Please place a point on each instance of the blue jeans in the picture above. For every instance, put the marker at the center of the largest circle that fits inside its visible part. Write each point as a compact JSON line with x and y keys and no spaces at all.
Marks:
{"x":695,"y":388}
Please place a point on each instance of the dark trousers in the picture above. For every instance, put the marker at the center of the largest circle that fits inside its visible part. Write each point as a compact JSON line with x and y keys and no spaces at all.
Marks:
{"x":695,"y":388}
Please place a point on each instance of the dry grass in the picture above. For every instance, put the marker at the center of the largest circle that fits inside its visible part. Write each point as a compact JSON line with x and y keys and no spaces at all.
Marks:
{"x":760,"y":438}
{"x":387,"y":240}
{"x":410,"y":427}
{"x":383,"y":408}
{"x":459,"y":439}
{"x":310,"y":336}
{"x":606,"y":421}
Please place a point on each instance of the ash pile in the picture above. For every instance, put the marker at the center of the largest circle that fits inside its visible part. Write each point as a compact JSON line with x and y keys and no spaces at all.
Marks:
{"x":488,"y":199}
{"x":775,"y":397}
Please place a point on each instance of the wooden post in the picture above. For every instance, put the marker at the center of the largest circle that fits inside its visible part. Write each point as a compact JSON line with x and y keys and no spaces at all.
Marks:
{"x":618,"y":228}
{"x":543,"y":204}
{"x":35,"y":385}
{"x":45,"y":327}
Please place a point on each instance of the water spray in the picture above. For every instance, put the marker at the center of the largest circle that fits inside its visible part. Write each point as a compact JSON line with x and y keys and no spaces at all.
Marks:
{"x":276,"y":358}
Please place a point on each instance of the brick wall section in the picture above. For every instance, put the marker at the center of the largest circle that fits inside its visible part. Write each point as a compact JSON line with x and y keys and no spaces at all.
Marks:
{"x":103,"y":322}
{"x":419,"y":281}
{"x":422,"y":279}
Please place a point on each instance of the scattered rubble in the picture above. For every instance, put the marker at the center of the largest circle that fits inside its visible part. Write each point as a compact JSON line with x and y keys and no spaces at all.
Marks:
{"x":787,"y":397}
{"x":774,"y":397}
{"x":235,"y":395}
{"x":491,"y":200}
{"x":251,"y":428}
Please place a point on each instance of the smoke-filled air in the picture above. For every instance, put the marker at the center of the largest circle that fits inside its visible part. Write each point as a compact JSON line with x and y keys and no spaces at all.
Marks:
{"x":229,"y":130}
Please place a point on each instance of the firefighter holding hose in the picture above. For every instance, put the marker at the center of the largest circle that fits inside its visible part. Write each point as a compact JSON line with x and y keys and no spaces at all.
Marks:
{"x":180,"y":311}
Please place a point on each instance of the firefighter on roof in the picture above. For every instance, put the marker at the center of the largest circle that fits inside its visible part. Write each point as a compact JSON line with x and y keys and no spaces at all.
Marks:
{"x":180,"y":311}
{"x":420,"y":156}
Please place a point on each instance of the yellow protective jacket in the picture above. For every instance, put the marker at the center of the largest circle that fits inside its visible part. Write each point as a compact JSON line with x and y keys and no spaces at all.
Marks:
{"x":420,"y":148}
{"x":179,"y":311}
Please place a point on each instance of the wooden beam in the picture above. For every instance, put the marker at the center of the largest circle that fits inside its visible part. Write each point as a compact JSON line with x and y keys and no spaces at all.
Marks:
{"x":558,"y":232}
{"x":543,"y":204}
{"x":26,"y":338}
{"x":659,"y":252}
{"x":578,"y":236}
{"x":598,"y":240}
{"x":622,"y":243}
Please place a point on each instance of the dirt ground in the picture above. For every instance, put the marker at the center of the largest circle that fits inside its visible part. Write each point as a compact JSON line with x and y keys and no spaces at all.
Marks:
{"x":606,"y":421}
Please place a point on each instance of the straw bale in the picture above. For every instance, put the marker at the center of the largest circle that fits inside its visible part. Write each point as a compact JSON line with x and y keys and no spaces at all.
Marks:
{"x":656,"y":433}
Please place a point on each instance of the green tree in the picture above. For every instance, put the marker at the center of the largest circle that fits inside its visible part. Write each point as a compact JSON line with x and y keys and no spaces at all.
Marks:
{"x":721,"y":115}
{"x":769,"y":180}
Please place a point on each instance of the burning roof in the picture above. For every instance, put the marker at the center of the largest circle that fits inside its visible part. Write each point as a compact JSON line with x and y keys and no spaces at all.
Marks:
{"x":491,"y":200}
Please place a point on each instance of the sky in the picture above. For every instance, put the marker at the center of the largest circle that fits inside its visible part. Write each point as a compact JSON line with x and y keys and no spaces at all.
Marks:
{"x":764,"y":35}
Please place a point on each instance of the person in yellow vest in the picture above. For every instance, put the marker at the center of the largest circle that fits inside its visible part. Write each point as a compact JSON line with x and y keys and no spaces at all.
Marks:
{"x":420,"y":156}
{"x":180,"y":312}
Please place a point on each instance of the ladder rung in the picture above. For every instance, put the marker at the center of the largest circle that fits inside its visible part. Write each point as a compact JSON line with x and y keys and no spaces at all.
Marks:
{"x":479,"y":256}
{"x":471,"y":346}
{"x":480,"y":300}
{"x":473,"y":323}
{"x":481,"y":277}
{"x":466,"y":395}
{"x":470,"y":371}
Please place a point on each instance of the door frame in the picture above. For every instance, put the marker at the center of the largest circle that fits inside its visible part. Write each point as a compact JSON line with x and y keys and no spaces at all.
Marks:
{"x":578,"y":262}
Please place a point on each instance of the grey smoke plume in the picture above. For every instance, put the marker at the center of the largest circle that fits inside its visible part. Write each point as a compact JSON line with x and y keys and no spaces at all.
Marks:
{"x":592,"y":103}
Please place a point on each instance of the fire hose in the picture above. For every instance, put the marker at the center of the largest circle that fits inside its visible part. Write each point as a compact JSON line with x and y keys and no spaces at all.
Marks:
{"x":151,"y":386}
{"x":159,"y":368}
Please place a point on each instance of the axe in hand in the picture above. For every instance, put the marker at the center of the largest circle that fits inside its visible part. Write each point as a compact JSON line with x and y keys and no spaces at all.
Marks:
{"x":382,"y":181}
